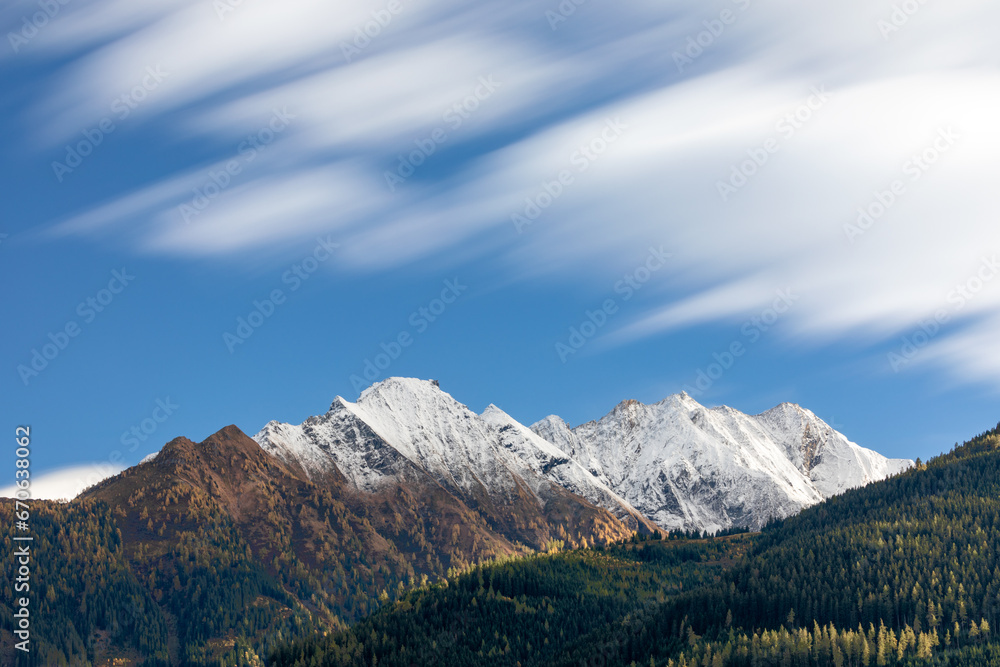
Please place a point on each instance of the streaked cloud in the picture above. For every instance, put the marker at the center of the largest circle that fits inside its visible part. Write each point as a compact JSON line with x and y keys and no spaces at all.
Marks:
{"x":66,"y":483}
{"x":891,"y":93}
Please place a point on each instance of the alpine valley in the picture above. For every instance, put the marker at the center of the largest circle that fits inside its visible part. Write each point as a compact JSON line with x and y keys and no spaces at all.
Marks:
{"x":224,"y":551}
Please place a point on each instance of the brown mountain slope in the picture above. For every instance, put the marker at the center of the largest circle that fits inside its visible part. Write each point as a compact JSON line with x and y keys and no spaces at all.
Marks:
{"x":232,"y":541}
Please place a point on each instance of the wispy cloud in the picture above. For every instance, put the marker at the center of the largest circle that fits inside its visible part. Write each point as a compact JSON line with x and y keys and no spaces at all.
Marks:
{"x":891,"y":92}
{"x":66,"y":483}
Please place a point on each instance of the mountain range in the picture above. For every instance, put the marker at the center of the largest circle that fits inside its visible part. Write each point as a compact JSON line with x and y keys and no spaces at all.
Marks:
{"x":900,"y":573}
{"x":675,"y":464}
{"x":216,"y":552}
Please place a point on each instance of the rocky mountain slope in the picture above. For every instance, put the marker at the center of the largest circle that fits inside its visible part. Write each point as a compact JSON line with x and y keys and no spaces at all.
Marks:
{"x":685,"y":466}
{"x":675,"y":463}
{"x":224,"y":535}
{"x":406,"y":431}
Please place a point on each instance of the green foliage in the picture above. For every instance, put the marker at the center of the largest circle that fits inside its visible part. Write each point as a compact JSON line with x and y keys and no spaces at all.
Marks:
{"x":81,"y":587}
{"x":521,"y":611}
{"x":903,"y":572}
{"x":916,"y":554}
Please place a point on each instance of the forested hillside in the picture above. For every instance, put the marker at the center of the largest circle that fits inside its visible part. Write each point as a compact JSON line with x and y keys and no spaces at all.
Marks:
{"x":80,"y":581}
{"x":903,"y":572}
{"x":219,"y":555}
{"x":912,"y":562}
{"x":214,"y":552}
{"x":523,"y":611}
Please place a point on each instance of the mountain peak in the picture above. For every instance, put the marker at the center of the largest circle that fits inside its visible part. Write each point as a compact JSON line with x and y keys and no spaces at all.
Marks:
{"x":629,"y":404}
{"x":553,"y":420}
{"x":791,"y":415}
{"x":405,"y":384}
{"x":681,"y":400}
{"x":338,"y":403}
{"x":223,"y":441}
{"x":492,"y":410}
{"x":787,"y":407}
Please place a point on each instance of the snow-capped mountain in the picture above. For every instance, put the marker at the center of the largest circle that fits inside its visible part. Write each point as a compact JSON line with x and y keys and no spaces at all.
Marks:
{"x":403,"y":430}
{"x":674,"y":463}
{"x":686,"y":466}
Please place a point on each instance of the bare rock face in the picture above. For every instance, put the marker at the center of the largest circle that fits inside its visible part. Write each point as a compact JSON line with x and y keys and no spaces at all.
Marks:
{"x":685,"y":466}
{"x":410,"y":432}
{"x":676,"y":463}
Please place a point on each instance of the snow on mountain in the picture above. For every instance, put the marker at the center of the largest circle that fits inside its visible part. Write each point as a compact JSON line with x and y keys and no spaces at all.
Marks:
{"x":549,"y":462}
{"x":832,"y":462}
{"x":402,"y":428}
{"x":676,"y":463}
{"x":685,"y":466}
{"x":149,"y":457}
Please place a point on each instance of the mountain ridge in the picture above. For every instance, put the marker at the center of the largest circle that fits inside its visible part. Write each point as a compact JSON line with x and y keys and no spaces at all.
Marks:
{"x":901,"y":573}
{"x":405,"y":487}
{"x":717,"y":468}
{"x":403,"y":429}
{"x":674,"y":463}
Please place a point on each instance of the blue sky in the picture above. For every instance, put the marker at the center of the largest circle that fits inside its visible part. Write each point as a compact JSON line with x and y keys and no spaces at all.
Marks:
{"x":224,"y":212}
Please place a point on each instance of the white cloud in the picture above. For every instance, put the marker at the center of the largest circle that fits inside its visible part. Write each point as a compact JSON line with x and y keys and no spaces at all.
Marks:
{"x":890,"y":95}
{"x":970,"y":354}
{"x":66,"y":483}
